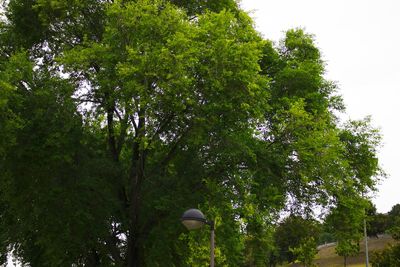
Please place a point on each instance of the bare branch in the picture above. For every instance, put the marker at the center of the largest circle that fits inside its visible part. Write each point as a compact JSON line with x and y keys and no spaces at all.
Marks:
{"x":132,"y":119}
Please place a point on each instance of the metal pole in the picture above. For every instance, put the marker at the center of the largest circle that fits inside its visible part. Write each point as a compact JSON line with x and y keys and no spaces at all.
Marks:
{"x":366,"y":243}
{"x":212,"y":245}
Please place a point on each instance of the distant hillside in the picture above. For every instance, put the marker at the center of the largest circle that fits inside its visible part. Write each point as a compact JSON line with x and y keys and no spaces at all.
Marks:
{"x":327,"y":257}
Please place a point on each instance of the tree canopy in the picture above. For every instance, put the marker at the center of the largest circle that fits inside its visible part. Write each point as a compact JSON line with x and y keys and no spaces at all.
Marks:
{"x":117,"y":116}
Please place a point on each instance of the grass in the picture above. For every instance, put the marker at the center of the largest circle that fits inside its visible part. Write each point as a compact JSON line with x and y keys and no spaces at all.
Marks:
{"x":327,"y":257}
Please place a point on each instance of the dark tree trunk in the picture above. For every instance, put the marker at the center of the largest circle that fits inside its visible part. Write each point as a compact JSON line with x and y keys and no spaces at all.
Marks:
{"x":135,"y":253}
{"x":134,"y":239}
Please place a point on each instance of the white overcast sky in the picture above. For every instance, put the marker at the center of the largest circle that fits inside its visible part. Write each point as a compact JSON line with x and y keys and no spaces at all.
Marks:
{"x":360,"y":42}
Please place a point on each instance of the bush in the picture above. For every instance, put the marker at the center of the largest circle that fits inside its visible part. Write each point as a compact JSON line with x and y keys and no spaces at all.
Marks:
{"x":389,"y":257}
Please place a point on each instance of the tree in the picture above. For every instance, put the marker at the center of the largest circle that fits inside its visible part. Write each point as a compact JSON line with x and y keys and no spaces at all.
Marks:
{"x":390,"y":256}
{"x":394,"y":222}
{"x":156,"y":90}
{"x":377,"y":223}
{"x":395,"y":211}
{"x":360,"y":142}
{"x":116,"y":117}
{"x":345,"y":222}
{"x":260,"y":249}
{"x":306,"y":252}
{"x":347,"y":247}
{"x":295,"y":239}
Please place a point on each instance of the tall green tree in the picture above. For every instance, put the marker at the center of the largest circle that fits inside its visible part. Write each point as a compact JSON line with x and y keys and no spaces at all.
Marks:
{"x":116,"y":116}
{"x":346,"y":218}
{"x":160,"y":92}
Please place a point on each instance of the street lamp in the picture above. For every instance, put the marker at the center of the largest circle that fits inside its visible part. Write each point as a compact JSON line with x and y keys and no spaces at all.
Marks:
{"x":194,"y":219}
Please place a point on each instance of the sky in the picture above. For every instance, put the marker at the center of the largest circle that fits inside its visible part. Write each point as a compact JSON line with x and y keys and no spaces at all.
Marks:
{"x":360,"y":44}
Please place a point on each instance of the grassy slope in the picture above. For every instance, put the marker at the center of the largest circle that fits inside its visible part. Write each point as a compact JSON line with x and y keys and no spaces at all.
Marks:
{"x":327,"y":257}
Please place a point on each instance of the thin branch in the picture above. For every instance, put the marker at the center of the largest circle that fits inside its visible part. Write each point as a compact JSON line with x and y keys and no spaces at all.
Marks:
{"x":23,"y":85}
{"x":123,"y":131}
{"x":132,"y":119}
{"x":81,"y":100}
{"x":118,"y":114}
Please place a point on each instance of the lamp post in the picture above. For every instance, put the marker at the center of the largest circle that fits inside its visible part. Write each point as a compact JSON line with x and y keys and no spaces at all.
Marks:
{"x":194,"y":219}
{"x":366,"y":243}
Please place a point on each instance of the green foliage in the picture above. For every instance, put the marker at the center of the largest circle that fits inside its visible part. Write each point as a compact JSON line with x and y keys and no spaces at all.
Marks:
{"x":308,"y":148}
{"x":116,"y":117}
{"x":377,"y":223}
{"x":395,"y":211}
{"x":394,"y":222}
{"x":361,"y":141}
{"x":260,"y":249}
{"x":305,"y":252}
{"x":198,"y":7}
{"x":348,"y":248}
{"x":295,"y":239}
{"x":11,"y":71}
{"x":389,"y":257}
{"x":345,"y":222}
{"x":48,"y":173}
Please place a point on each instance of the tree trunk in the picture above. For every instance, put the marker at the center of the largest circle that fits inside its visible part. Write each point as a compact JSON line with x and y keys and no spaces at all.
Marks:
{"x":134,"y":239}
{"x":134,"y":253}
